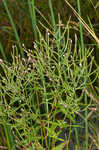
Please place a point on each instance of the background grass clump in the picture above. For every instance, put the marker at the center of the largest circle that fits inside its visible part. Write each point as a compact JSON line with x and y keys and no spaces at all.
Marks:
{"x":21,"y":16}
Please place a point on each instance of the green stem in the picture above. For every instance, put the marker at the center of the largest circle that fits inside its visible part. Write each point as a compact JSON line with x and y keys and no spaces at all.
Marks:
{"x":55,"y":30}
{"x":86,"y":122}
{"x":85,"y":96}
{"x":81,"y":31}
{"x":6,"y":133}
{"x":9,"y":135}
{"x":77,"y":138}
{"x":33,"y":18}
{"x":14,"y":28}
{"x":52,"y":15}
{"x":2,"y":52}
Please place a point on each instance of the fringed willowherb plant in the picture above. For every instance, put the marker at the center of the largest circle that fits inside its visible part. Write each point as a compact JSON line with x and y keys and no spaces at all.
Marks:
{"x":41,"y":95}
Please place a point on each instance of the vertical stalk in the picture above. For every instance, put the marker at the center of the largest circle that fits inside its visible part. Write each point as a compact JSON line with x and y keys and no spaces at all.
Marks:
{"x":14,"y":28}
{"x":83,"y":55}
{"x":8,"y":134}
{"x":52,"y":15}
{"x":81,"y":31}
{"x":57,"y":38}
{"x":2,"y":52}
{"x":76,"y":134}
{"x":33,"y":18}
{"x":77,"y":138}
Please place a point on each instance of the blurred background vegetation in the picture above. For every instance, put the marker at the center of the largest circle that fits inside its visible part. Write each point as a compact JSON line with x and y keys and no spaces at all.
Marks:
{"x":21,"y":16}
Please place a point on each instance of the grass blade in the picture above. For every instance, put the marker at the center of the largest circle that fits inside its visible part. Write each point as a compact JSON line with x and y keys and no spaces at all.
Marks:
{"x":52,"y":15}
{"x":2,"y":52}
{"x":56,"y":30}
{"x":83,"y":23}
{"x":14,"y":28}
{"x":83,"y":54}
{"x":9,"y":136}
{"x":33,"y":18}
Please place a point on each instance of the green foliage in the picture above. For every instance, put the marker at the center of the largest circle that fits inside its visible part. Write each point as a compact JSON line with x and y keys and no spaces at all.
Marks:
{"x":40,"y":93}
